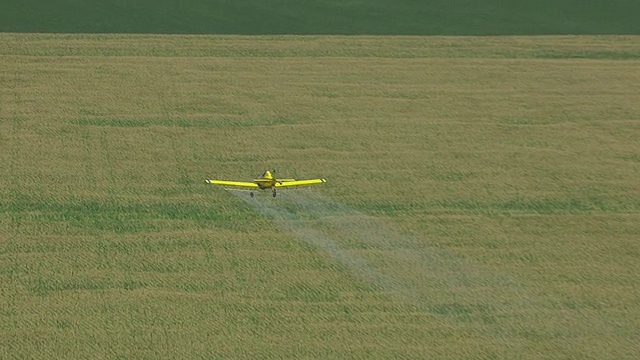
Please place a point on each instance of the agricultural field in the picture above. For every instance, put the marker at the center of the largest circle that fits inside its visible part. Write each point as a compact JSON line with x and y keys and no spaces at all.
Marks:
{"x":314,"y":17}
{"x":483,"y":197}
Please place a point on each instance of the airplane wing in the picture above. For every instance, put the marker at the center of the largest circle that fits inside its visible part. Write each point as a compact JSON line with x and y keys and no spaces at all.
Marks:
{"x":232,"y":183}
{"x":300,"y":182}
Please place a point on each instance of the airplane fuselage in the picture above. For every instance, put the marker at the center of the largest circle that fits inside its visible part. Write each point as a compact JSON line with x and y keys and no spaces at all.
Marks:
{"x":266,"y":181}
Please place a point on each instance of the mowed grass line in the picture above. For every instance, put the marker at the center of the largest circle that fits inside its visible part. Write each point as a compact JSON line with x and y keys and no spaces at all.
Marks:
{"x":234,"y":46}
{"x":522,"y":166}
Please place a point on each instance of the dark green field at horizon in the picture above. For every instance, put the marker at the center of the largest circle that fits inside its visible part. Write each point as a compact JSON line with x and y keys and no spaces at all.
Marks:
{"x":373,"y":17}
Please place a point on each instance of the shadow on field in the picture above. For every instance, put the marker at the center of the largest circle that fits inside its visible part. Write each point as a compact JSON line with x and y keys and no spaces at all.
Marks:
{"x":404,"y":265}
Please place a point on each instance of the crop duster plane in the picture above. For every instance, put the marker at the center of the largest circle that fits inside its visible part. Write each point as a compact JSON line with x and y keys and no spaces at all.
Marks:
{"x":267,"y":181}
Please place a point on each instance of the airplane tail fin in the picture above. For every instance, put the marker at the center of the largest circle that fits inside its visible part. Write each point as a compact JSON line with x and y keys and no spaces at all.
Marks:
{"x":268,"y":174}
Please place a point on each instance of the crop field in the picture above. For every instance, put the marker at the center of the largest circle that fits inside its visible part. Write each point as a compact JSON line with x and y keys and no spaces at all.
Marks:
{"x":315,"y":17}
{"x":483,"y":197}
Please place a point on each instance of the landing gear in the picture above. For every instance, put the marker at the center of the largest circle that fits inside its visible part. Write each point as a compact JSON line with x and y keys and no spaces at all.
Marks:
{"x":273,"y":193}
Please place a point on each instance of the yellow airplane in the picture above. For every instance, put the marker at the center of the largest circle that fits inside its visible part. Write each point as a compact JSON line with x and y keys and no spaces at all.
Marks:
{"x":267,"y":181}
